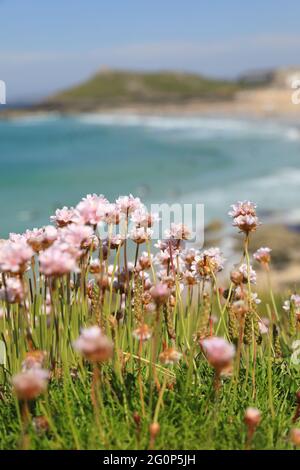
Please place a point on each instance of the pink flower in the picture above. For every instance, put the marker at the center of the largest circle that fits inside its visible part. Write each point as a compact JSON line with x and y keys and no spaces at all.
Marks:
{"x":140,"y":235}
{"x":112,"y":214}
{"x":64,"y":216}
{"x":75,"y":235}
{"x":142,"y":218}
{"x":294,"y":303}
{"x":178,"y":232}
{"x":94,"y":345}
{"x":57,"y":262}
{"x":208,"y":262}
{"x":263,"y":326}
{"x":244,"y":216}
{"x":219,"y":352}
{"x":31,"y":383}
{"x":92,"y":209}
{"x":41,"y":238}
{"x":295,"y":436}
{"x":145,"y":261}
{"x":252,"y":417}
{"x":160,"y":293}
{"x":262,"y":255}
{"x":14,"y":291}
{"x":242,"y":208}
{"x":128,"y":204}
{"x":243,"y":269}
{"x":15,"y":256}
{"x":115,"y":241}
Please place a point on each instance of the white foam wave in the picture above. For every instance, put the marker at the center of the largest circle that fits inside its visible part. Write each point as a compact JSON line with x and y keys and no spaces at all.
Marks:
{"x":34,"y":119}
{"x":194,"y":126}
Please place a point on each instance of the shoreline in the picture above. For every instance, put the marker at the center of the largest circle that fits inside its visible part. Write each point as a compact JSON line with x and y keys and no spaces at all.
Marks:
{"x":269,"y":103}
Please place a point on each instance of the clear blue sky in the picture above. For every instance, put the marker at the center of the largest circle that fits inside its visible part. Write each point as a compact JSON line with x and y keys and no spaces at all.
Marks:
{"x":46,"y":45}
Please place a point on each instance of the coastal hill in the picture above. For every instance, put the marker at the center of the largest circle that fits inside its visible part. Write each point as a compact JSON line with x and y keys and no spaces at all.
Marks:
{"x":118,"y":88}
{"x":258,"y":94}
{"x":264,"y":93}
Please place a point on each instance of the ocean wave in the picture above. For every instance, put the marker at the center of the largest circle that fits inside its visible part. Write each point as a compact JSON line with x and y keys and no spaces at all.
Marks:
{"x":276,"y":192}
{"x":34,"y":119}
{"x":194,"y":127}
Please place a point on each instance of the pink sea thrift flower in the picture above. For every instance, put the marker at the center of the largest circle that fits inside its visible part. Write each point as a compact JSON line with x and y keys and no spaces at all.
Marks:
{"x":142,"y":218}
{"x":252,"y":417}
{"x":160,"y":293}
{"x":262,"y":255}
{"x":14,"y":291}
{"x":294,"y":303}
{"x":111,"y":214}
{"x":178,"y":232}
{"x":15,"y":256}
{"x":76,"y":235}
{"x":208,"y":263}
{"x":140,"y":235}
{"x":219,"y":352}
{"x":64,"y":216}
{"x":94,"y":345}
{"x":243,"y":269}
{"x":92,"y":208}
{"x":145,"y":261}
{"x":128,"y":204}
{"x":57,"y":262}
{"x":41,"y":238}
{"x":30,"y":383}
{"x":244,"y":216}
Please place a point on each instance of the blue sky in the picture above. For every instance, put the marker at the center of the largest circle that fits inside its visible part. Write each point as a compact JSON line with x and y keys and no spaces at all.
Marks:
{"x":48,"y":45}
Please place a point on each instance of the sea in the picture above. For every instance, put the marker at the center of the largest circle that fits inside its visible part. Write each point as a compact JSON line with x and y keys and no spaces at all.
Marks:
{"x":48,"y":161}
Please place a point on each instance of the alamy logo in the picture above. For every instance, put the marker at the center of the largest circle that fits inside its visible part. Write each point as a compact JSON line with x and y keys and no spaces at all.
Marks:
{"x":296,"y":94}
{"x":2,"y":92}
{"x":295,"y":357}
{"x":2,"y":354}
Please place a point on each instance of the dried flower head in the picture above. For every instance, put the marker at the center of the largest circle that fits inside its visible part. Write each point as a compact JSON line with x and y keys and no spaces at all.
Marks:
{"x":170,"y":356}
{"x":34,"y":359}
{"x":142,"y":333}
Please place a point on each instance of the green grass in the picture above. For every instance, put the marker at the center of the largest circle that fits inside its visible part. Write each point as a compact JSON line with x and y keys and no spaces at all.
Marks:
{"x":196,"y":422}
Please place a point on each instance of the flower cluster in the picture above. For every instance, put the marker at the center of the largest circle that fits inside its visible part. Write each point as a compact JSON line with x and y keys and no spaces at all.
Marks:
{"x":244,"y":216}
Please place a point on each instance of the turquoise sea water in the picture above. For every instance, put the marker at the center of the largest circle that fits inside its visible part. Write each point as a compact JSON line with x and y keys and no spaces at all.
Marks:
{"x":49,"y":161}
